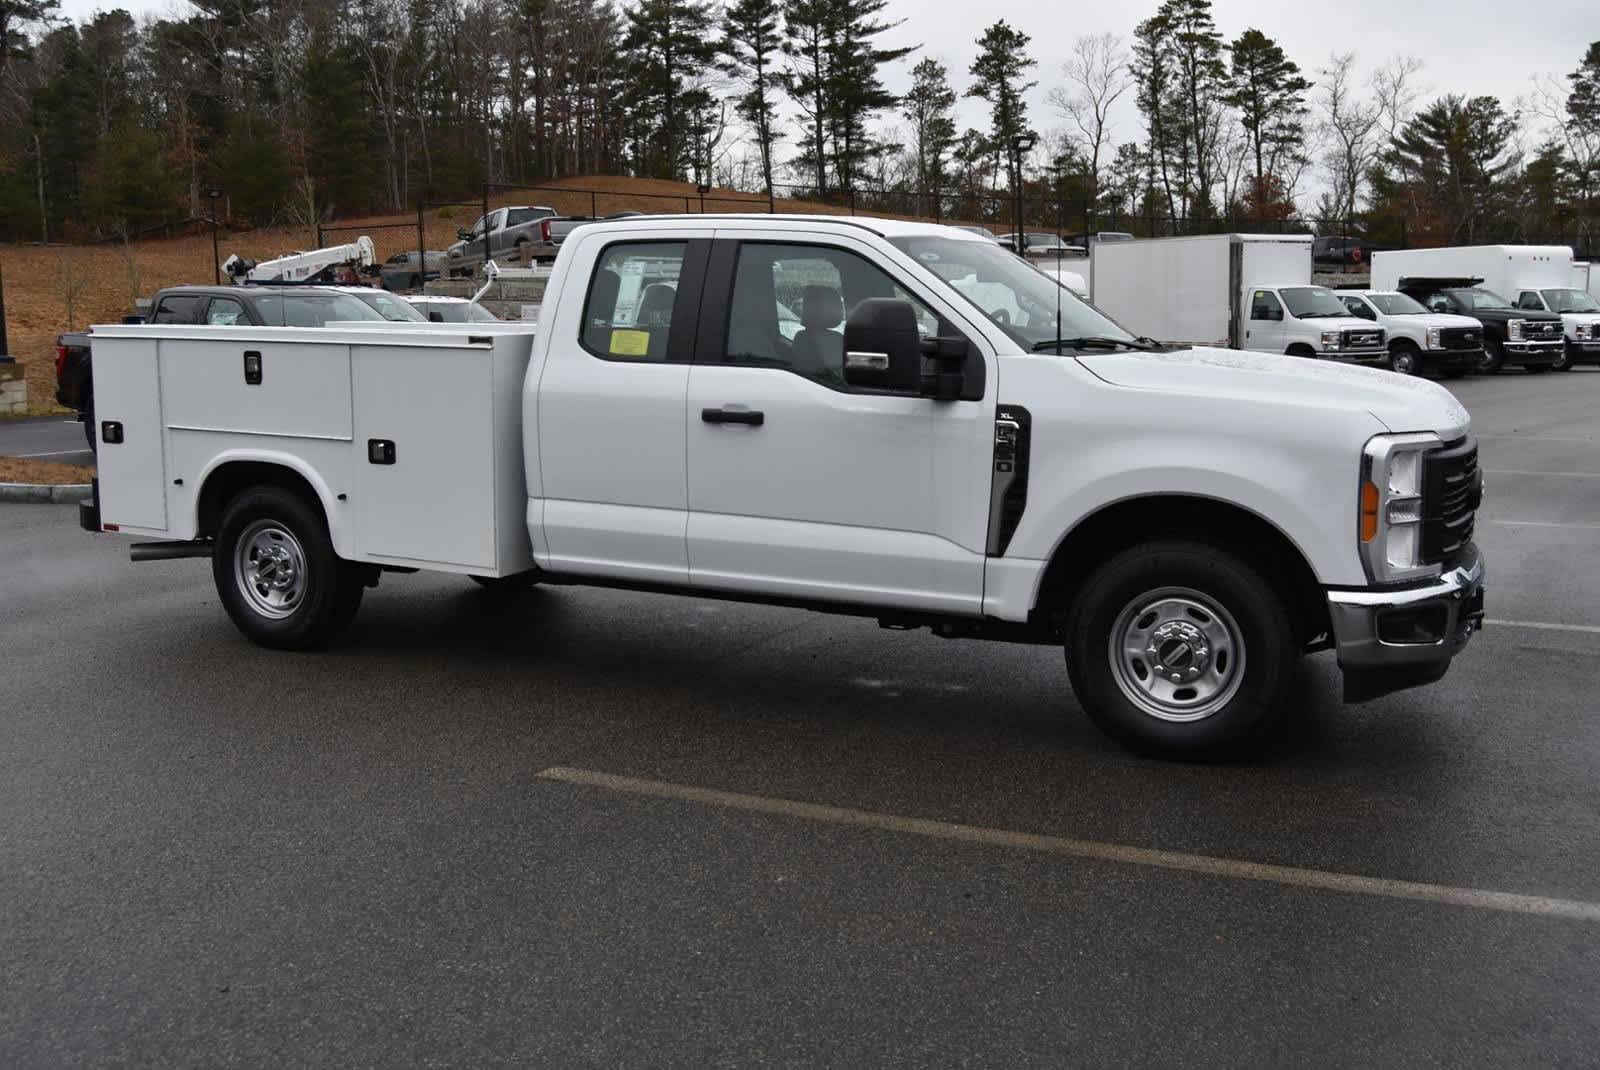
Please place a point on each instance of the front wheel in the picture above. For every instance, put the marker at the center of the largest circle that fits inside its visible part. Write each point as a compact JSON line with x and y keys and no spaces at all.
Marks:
{"x":1493,"y":359}
{"x":1566,"y":360}
{"x":1404,"y":360}
{"x":277,"y":573}
{"x":1180,"y":649}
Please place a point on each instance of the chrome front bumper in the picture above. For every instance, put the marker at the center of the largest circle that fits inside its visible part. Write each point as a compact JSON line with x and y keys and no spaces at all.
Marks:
{"x":1393,"y":639}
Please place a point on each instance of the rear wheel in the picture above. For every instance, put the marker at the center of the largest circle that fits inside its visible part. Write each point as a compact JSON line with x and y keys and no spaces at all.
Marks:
{"x":1181,"y":649}
{"x":277,"y":574}
{"x":1404,"y":358}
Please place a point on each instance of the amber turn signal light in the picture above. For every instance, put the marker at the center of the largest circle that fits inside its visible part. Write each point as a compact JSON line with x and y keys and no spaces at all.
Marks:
{"x":1369,"y":512}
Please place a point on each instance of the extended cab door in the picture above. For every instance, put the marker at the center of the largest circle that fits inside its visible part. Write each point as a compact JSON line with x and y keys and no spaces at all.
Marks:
{"x":801,"y":486}
{"x":609,"y":484}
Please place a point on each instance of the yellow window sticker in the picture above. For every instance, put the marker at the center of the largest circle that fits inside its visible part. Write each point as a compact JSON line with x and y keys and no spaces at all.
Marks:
{"x":630,"y":343}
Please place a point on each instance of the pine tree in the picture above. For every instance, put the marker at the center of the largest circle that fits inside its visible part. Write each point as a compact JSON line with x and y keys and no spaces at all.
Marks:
{"x":929,"y":107}
{"x":752,"y":44}
{"x":1450,"y":169}
{"x":1200,"y":80}
{"x":1269,"y":92}
{"x":998,"y":72}
{"x":672,"y":46}
{"x":810,"y":28}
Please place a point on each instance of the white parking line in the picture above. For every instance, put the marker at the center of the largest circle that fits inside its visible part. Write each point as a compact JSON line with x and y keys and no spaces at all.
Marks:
{"x":1545,"y":626}
{"x":1525,"y":472}
{"x":1294,"y":876}
{"x":1539,"y":524}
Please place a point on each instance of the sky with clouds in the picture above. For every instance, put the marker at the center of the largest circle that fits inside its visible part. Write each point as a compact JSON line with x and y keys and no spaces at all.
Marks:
{"x":1471,"y":47}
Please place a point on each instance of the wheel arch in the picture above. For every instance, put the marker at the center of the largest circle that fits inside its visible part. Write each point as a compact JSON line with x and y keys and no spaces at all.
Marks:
{"x":229,"y":473}
{"x":1105,"y":532}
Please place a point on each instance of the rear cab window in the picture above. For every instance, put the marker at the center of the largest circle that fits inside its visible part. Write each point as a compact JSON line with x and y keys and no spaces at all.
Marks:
{"x":633,"y":292}
{"x":178,"y":308}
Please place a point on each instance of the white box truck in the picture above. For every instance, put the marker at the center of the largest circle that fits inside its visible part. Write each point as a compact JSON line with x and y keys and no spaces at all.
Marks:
{"x":1243,"y":291}
{"x":1498,"y":285}
{"x":948,"y":440}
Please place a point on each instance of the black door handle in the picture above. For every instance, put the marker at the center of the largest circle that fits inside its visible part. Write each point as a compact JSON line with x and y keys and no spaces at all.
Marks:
{"x":751,"y":417}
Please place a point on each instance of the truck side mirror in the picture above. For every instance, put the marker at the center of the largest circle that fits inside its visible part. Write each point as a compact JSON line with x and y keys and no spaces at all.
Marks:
{"x":463,"y":234}
{"x":882,"y":347}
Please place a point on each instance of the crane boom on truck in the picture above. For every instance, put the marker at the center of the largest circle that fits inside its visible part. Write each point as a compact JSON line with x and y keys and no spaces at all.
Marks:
{"x":312,"y":265}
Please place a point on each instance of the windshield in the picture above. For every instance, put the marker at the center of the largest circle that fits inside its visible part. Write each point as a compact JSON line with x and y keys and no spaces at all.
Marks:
{"x":1397,"y":305}
{"x":1311,"y":302}
{"x":1022,"y":301}
{"x":312,"y":310}
{"x":1570,"y":301}
{"x":1478,"y":297}
{"x":392,"y":308}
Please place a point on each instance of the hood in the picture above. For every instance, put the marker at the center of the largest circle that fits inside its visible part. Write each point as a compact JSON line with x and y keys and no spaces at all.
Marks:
{"x":1506,"y":315}
{"x":1443,"y":320}
{"x":1574,"y":319}
{"x":1400,"y":402}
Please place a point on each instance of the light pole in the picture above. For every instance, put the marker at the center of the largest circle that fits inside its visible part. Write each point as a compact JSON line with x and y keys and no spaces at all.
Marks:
{"x":1021,"y":145}
{"x":703,"y":188}
{"x":212,"y":193}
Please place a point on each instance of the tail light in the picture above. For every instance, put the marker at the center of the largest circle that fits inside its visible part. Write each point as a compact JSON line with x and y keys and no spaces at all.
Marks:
{"x":544,"y":230}
{"x":61,"y":359}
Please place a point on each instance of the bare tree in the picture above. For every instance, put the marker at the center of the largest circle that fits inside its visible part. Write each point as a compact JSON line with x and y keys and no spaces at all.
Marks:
{"x":1348,"y":127}
{"x":1397,"y":89}
{"x":1097,"y":77}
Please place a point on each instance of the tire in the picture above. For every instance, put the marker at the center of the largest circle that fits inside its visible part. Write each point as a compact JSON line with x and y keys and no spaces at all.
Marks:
{"x":1494,"y":357}
{"x":277,"y":574}
{"x":1404,"y":359}
{"x":1302,"y":351}
{"x":1219,"y":623}
{"x":414,"y":282}
{"x":1568,"y":359}
{"x":522,"y":581}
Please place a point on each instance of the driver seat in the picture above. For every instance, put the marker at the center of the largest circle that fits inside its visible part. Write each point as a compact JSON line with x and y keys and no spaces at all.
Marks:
{"x":818,"y":348}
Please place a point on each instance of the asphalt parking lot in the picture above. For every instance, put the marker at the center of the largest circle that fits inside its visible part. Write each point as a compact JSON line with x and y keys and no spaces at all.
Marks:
{"x":594,"y":827}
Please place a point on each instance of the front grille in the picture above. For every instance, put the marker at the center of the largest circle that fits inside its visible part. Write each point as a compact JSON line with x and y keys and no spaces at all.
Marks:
{"x":1461,"y":338}
{"x":1452,"y":489}
{"x":1541,"y":330}
{"x":1362,"y":339}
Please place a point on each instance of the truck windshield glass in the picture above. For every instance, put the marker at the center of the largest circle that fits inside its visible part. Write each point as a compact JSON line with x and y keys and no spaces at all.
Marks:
{"x":1397,"y":305}
{"x":1311,"y":302}
{"x":1478,"y":297}
{"x":1570,"y":301}
{"x":1021,"y":300}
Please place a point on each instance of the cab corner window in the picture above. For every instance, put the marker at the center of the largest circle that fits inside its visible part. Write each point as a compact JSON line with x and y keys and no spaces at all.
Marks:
{"x":628,"y":313}
{"x":790,"y":303}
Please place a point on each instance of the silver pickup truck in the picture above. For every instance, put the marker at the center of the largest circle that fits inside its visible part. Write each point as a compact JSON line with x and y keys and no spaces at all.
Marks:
{"x":513,"y":230}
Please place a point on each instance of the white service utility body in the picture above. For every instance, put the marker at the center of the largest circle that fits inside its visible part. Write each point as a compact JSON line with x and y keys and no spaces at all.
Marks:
{"x":1532,"y":278}
{"x":948,"y":439}
{"x":1241,"y":291}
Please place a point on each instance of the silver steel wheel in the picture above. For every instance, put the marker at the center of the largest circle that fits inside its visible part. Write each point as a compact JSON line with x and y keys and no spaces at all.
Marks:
{"x":1403,"y":361}
{"x":1177,"y":654}
{"x":270,"y":569}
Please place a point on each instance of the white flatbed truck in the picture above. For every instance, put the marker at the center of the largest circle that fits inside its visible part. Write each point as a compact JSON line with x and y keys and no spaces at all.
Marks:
{"x":887,"y":419}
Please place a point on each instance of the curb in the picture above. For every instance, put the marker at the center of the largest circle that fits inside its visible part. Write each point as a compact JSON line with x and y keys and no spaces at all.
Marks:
{"x":45,"y":493}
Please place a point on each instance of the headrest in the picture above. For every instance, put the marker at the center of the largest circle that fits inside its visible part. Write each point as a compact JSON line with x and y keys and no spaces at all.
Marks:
{"x":822,"y":308}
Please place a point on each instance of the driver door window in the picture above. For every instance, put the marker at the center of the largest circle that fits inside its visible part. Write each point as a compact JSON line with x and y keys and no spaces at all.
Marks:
{"x":790,"y":303}
{"x":1264,"y":306}
{"x":1530,"y":301}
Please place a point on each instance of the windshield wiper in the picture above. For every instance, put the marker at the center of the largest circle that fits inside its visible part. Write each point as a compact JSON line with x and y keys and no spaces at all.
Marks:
{"x":1093,"y":342}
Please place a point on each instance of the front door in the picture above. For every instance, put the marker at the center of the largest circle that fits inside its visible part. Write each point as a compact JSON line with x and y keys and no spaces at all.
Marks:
{"x":801,"y":486}
{"x":1264,"y":330}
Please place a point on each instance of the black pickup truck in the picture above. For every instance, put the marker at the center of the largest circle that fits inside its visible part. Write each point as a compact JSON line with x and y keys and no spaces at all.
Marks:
{"x":217,"y":306}
{"x":1534,"y":340}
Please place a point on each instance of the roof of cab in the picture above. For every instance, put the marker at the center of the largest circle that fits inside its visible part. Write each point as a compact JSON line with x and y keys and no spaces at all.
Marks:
{"x":888,"y":228}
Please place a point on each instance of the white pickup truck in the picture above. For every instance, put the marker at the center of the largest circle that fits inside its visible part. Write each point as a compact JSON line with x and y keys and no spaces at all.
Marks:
{"x":947,"y":439}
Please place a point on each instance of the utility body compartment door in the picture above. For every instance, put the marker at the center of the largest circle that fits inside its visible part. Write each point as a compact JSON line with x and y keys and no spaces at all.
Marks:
{"x":127,"y":393}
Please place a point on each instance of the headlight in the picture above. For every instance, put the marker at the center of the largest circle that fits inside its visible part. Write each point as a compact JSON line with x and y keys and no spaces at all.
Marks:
{"x":1390,"y":528}
{"x":1514,"y":330}
{"x":1434,"y":336}
{"x":1330,"y":339}
{"x":1583,"y":331}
